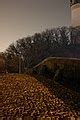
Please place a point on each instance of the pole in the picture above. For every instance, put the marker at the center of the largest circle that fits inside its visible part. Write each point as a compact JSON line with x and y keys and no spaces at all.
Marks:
{"x":19,"y":64}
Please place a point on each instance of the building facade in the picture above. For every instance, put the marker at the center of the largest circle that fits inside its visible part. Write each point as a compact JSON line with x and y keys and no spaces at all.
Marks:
{"x":75,"y":12}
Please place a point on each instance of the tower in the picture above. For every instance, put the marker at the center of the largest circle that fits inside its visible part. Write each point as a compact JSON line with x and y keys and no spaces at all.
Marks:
{"x":75,"y":12}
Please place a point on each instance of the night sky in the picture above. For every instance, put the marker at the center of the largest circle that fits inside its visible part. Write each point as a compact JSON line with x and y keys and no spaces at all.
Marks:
{"x":20,"y":18}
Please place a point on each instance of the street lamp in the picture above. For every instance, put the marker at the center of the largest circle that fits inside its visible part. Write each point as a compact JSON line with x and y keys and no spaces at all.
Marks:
{"x":21,"y":58}
{"x":19,"y":63}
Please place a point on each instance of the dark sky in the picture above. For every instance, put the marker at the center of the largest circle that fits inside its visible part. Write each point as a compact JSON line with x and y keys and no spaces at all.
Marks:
{"x":20,"y":18}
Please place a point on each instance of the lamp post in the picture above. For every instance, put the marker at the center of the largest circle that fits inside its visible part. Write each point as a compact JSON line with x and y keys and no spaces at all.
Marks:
{"x":19,"y":63}
{"x":21,"y":59}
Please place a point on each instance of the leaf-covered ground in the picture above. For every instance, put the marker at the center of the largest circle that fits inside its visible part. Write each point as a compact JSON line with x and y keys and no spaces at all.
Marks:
{"x":23,"y":97}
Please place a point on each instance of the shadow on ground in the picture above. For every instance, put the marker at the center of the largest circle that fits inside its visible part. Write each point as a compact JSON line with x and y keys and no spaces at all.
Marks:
{"x":70,"y":97}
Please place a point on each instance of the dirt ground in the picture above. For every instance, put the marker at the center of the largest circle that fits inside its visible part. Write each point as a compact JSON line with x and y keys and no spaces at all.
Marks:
{"x":23,"y":97}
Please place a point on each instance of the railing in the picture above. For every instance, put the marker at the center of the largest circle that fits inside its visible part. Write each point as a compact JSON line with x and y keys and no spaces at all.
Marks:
{"x":74,"y":2}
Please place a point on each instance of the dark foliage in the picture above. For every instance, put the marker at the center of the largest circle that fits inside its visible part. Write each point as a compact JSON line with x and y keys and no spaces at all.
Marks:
{"x":57,"y":42}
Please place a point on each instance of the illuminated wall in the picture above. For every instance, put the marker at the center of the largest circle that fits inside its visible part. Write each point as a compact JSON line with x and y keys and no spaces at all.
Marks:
{"x":75,"y":14}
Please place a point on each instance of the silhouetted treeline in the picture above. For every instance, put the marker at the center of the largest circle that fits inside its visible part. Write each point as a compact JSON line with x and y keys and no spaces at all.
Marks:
{"x":2,"y":63}
{"x":75,"y":1}
{"x":29,"y":51}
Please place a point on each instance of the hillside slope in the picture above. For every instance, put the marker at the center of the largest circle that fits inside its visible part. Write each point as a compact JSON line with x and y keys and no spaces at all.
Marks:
{"x":63,"y":70}
{"x":23,"y":97}
{"x":51,"y":61}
